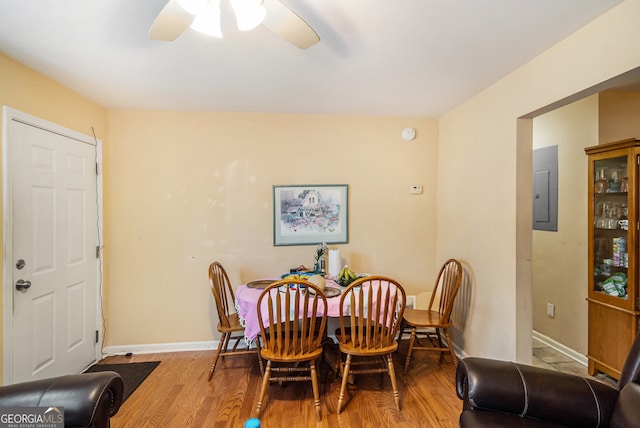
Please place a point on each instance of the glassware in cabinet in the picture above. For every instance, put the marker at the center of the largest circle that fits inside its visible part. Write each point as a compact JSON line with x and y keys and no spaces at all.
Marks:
{"x":613,"y":307}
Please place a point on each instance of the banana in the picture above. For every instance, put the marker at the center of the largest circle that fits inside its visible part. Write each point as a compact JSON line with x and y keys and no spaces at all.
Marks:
{"x":346,"y":275}
{"x":344,"y":272}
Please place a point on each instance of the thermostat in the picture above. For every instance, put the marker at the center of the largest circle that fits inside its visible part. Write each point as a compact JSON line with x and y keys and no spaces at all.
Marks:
{"x":415,"y":189}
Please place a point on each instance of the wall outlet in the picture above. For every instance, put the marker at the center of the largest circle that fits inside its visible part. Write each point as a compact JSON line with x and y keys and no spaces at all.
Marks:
{"x":551,"y":310}
{"x":415,"y":190}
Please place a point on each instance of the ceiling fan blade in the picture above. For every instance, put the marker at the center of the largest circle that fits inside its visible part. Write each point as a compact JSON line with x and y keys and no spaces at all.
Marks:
{"x":171,"y":22}
{"x":288,"y":25}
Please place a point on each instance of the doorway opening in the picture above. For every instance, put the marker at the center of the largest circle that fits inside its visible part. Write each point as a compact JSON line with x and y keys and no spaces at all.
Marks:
{"x":556,"y":275}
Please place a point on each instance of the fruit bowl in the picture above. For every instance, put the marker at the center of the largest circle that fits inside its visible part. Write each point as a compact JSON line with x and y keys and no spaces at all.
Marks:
{"x":347,"y":276}
{"x":343,"y":282}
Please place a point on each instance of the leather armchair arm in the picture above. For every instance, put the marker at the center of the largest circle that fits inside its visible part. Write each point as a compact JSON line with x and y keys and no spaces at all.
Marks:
{"x":89,"y":399}
{"x":533,"y":392}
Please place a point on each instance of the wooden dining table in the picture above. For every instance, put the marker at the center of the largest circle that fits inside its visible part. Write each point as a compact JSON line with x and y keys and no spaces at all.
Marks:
{"x":247,"y":303}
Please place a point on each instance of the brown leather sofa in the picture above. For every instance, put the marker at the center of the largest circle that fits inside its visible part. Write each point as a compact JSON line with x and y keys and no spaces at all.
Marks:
{"x":505,"y":394}
{"x":89,"y":399}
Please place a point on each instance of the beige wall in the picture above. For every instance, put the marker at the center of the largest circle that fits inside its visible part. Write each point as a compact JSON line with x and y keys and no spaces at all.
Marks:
{"x":26,"y":90}
{"x":189,"y":188}
{"x":559,"y":260}
{"x":484,"y":164}
{"x":182,"y":189}
{"x":619,"y":115}
{"x":23,"y":89}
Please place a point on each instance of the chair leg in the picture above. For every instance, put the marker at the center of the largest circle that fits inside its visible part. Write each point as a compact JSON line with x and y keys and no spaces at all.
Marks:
{"x":260,"y":362}
{"x":441,"y":345}
{"x":394,"y":384}
{"x":221,"y":346}
{"x":263,"y":389}
{"x":450,"y":344}
{"x":343,"y":386}
{"x":338,"y":366}
{"x":316,"y":391}
{"x":410,"y":350}
{"x":403,"y":326}
{"x":439,"y":337}
{"x":226,"y":342}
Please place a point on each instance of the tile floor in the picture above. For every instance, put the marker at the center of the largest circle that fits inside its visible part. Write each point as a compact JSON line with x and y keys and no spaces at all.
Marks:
{"x":549,"y":358}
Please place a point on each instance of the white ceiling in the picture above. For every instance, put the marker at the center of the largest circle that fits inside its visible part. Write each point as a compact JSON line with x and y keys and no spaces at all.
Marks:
{"x":375,"y":57}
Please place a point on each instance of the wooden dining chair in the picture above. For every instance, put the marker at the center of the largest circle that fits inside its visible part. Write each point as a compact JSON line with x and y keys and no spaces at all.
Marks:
{"x":293,"y":321}
{"x":430,"y":323}
{"x":228,"y":320}
{"x":371,"y":310}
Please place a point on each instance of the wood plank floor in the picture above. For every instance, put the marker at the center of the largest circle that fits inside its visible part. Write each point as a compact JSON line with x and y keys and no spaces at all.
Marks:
{"x":177,"y":394}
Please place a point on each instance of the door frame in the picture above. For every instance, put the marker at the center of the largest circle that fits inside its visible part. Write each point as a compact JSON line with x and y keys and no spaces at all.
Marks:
{"x":8,"y":115}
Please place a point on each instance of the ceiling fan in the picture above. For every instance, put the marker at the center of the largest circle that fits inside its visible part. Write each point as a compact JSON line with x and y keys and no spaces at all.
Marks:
{"x":203,"y":15}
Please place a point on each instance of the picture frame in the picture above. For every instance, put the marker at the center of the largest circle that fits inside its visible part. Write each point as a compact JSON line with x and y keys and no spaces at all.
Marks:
{"x":310,"y":214}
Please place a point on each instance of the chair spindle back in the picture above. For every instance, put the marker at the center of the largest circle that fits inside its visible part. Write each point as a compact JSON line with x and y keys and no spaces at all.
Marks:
{"x":447,"y":286}
{"x":295,"y":319}
{"x":222,"y":293}
{"x":371,"y":309}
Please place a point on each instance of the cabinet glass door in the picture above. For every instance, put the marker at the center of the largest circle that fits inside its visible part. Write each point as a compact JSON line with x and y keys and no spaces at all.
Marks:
{"x":611,"y":225}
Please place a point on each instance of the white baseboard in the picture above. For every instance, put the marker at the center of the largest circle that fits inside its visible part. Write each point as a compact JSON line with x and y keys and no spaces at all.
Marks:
{"x":459,"y":352}
{"x":155,"y":348}
{"x":159,"y":348}
{"x":563,"y":349}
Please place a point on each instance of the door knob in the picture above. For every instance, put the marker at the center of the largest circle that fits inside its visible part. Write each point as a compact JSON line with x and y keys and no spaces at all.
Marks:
{"x":22,"y":284}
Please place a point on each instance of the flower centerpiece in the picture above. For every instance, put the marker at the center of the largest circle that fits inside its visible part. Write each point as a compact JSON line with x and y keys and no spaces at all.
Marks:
{"x":319,"y":258}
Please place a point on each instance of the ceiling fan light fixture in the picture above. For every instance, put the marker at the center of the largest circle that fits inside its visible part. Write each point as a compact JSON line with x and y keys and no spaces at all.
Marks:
{"x":204,"y":16}
{"x":249,"y":13}
{"x":194,"y":7}
{"x":207,"y":21}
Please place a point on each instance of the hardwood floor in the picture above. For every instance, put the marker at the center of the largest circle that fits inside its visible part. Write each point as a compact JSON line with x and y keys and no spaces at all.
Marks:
{"x":177,"y":394}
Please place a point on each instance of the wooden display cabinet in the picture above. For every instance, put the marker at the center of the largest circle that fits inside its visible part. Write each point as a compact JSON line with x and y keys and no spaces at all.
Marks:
{"x":613,"y":254}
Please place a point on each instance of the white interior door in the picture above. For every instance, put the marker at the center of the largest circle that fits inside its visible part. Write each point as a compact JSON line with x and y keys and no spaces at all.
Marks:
{"x":51,"y":269}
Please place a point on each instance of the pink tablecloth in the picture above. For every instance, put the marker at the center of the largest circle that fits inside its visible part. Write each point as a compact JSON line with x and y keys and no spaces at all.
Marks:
{"x":247,"y":302}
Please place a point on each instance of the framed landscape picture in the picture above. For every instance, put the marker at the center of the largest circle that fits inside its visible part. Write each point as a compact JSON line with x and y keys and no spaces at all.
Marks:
{"x":310,"y":214}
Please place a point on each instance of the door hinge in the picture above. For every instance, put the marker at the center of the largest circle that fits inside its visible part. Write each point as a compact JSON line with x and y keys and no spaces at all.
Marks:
{"x":97,"y":251}
{"x":97,"y":169}
{"x":97,"y":336}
